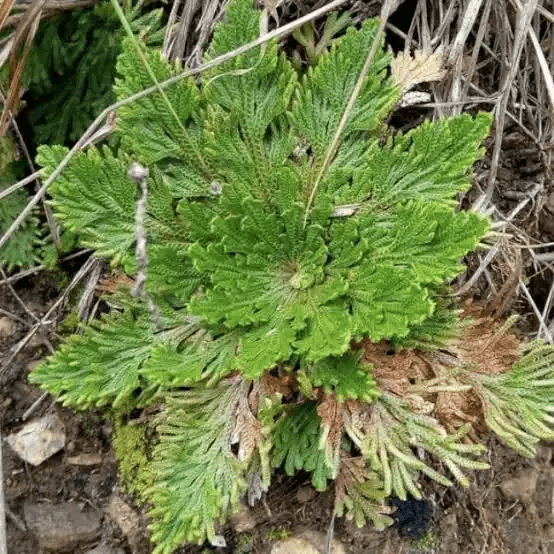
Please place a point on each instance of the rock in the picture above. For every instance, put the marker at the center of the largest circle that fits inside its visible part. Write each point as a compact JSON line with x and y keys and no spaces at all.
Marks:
{"x":129,"y":523}
{"x":523,"y":486}
{"x":61,"y":527}
{"x":8,"y":327}
{"x":105,"y":549}
{"x":307,"y":542}
{"x":39,"y":439}
{"x":305,"y":494}
{"x":243,"y":521}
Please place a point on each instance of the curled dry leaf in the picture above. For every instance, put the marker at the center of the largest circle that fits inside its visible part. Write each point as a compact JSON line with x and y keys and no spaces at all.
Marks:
{"x":408,"y":71}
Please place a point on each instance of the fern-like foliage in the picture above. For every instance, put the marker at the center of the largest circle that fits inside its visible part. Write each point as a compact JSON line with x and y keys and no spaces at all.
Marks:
{"x":518,"y":406}
{"x":297,"y":437}
{"x":25,"y":246}
{"x":360,"y":494}
{"x":268,"y":267}
{"x":292,"y":282}
{"x":71,"y":67}
{"x":199,"y":479}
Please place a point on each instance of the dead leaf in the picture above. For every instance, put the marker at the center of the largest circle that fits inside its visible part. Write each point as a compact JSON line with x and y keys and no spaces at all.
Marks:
{"x":247,"y":429}
{"x":21,"y":47}
{"x":284,"y":383}
{"x":424,"y":66}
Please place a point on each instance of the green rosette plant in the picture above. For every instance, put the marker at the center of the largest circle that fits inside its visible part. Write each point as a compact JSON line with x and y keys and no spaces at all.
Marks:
{"x":270,"y":262}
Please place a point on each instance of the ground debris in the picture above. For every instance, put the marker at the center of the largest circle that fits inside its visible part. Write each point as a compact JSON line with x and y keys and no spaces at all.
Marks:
{"x":62,"y":527}
{"x":307,"y":542}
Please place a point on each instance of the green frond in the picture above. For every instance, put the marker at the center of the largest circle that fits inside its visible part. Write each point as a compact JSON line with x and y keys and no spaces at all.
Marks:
{"x":437,"y":330}
{"x":326,"y":89}
{"x":198,"y":478}
{"x":199,"y":357}
{"x":432,"y":161}
{"x":395,"y":431}
{"x":24,"y":248}
{"x":346,"y":378}
{"x":95,"y":198}
{"x":155,"y":132}
{"x":296,"y":439}
{"x":518,"y":404}
{"x":101,"y":366}
{"x":71,"y":67}
{"x":253,"y":88}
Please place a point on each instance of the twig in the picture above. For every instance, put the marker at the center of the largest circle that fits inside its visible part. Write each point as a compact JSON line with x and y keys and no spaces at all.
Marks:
{"x":79,"y":275}
{"x":139,"y":174}
{"x":330,"y":534}
{"x":14,"y":317}
{"x":39,"y":268}
{"x":15,"y":520}
{"x":3,"y":537}
{"x":542,"y":324}
{"x":16,"y":296}
{"x":484,"y":264}
{"x":524,"y":17}
{"x":31,"y":409}
{"x":20,"y":184}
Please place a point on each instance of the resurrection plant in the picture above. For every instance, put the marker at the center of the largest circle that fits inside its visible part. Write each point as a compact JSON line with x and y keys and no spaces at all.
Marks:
{"x":291,"y":305}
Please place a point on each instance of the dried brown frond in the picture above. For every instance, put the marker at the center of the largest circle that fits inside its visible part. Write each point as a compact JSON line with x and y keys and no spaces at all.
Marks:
{"x":395,"y":371}
{"x":330,"y":412}
{"x":247,"y":430}
{"x":424,"y":66}
{"x":488,"y":344}
{"x":358,"y":419}
{"x":114,"y":282}
{"x":351,"y":470}
{"x":284,"y":383}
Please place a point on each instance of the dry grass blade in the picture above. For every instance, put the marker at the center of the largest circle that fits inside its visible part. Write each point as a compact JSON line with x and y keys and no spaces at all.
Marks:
{"x":179,"y":40}
{"x":23,"y":39}
{"x":545,"y":69}
{"x":524,"y":18}
{"x":3,"y":538}
{"x":5,"y":11}
{"x":50,"y":8}
{"x":470,"y":16}
{"x":87,"y":266}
